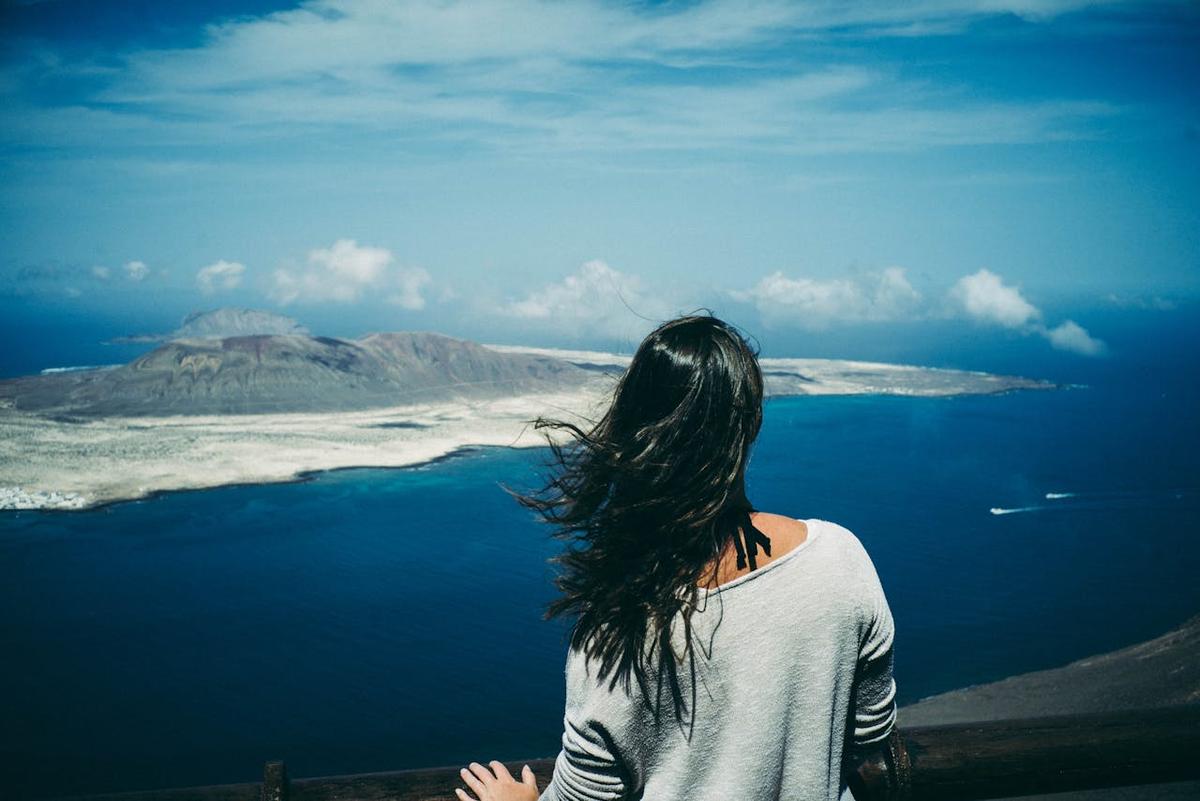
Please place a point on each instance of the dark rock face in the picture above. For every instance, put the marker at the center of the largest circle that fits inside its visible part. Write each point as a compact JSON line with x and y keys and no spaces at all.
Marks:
{"x":293,"y":373}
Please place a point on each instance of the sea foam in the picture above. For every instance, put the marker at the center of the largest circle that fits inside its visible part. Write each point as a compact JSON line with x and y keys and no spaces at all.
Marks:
{"x":996,"y":510}
{"x":52,"y":370}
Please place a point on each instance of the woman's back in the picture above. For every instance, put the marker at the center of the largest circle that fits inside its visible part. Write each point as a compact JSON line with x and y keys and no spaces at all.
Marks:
{"x":792,"y":663}
{"x":756,"y":682}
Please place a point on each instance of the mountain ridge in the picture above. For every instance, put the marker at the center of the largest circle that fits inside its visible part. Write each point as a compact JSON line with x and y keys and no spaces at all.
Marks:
{"x":227,"y":321}
{"x":271,"y":373}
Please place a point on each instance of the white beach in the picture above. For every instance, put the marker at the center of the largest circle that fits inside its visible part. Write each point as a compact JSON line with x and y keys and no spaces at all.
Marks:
{"x":49,"y":464}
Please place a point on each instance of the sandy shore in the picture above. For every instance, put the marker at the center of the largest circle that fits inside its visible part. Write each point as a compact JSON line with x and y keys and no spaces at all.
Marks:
{"x":1164,"y":671}
{"x":49,"y":464}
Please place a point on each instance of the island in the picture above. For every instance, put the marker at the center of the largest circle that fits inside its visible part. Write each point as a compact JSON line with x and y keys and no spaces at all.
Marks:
{"x":206,"y":410}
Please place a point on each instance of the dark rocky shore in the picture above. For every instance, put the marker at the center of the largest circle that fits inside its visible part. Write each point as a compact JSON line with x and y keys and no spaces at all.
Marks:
{"x":1164,"y":671}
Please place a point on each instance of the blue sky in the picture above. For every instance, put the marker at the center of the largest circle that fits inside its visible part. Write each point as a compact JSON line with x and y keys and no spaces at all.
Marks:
{"x":568,"y":173}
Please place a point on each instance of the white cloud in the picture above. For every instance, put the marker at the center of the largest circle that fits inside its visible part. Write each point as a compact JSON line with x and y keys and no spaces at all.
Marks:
{"x":411,"y":282}
{"x":100,"y":272}
{"x":596,"y":299}
{"x":983,"y":296}
{"x":136,"y":270}
{"x":1071,"y":336}
{"x":351,"y":263}
{"x":817,"y":303}
{"x":343,"y":272}
{"x":887,"y":296}
{"x":566,"y":76}
{"x":220,"y":275}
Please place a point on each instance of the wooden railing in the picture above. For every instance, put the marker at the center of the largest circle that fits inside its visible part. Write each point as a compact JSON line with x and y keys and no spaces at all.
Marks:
{"x":960,"y":762}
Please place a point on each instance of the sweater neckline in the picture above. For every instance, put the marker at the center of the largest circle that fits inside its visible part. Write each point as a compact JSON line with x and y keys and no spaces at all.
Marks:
{"x":813,"y":528}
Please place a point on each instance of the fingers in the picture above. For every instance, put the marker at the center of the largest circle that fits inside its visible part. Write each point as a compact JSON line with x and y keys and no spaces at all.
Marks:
{"x":486,"y":786}
{"x":474,"y":779}
{"x":483,"y":774}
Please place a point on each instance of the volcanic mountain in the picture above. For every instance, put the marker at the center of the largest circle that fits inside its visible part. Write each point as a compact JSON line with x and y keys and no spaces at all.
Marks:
{"x":221,"y":323}
{"x":293,"y":373}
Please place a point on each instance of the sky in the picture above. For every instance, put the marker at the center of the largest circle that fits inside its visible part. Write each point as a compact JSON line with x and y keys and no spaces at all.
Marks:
{"x":879,"y":179}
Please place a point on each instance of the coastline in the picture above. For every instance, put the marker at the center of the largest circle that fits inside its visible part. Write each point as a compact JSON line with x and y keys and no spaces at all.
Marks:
{"x":72,"y":463}
{"x":802,"y":376}
{"x":48,"y":464}
{"x":301,"y":477}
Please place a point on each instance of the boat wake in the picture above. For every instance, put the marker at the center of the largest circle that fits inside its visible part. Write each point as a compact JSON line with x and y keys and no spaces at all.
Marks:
{"x":1098,"y":500}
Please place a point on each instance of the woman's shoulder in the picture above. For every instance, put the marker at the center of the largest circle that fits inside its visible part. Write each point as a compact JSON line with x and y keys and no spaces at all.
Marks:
{"x":833,"y":554}
{"x":843,"y":543}
{"x":835,"y":533}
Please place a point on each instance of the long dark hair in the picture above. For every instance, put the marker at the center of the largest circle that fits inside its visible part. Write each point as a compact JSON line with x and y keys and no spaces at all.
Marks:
{"x":650,"y":495}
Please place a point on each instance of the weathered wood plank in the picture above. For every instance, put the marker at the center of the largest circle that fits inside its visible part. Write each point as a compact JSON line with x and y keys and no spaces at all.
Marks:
{"x":275,"y":782}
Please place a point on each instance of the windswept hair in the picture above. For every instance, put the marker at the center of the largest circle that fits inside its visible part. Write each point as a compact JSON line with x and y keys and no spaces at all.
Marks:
{"x":651,"y":495}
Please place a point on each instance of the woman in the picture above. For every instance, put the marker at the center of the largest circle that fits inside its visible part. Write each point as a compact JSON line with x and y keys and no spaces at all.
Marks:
{"x":774,"y":664}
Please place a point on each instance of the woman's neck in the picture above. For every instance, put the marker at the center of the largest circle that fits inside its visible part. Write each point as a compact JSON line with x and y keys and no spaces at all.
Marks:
{"x":785,"y":533}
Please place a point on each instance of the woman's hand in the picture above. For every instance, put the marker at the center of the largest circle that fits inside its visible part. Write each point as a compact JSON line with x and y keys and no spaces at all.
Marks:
{"x":500,"y":787}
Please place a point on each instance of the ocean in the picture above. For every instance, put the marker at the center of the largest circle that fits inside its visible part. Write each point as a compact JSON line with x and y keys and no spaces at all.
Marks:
{"x":367,"y":620}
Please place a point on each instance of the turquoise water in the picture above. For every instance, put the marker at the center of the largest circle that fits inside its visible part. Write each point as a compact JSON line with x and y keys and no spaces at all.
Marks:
{"x":380,"y":619}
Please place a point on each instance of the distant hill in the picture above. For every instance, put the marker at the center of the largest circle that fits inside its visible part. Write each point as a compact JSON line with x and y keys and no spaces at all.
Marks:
{"x":292,"y":373}
{"x":222,"y":323}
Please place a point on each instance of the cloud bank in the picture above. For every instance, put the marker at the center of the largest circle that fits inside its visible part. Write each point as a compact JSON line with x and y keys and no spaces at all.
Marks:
{"x":344,"y":271}
{"x":984,"y":297}
{"x":566,"y":77}
{"x":816,"y":304}
{"x":595,"y":299}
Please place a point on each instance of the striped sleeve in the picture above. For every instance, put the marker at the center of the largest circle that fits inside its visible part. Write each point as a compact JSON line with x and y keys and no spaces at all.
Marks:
{"x":589,"y":767}
{"x":875,"y":688}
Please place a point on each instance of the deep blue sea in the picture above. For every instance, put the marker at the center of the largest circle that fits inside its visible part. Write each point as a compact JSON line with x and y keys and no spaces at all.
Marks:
{"x":368,"y":620}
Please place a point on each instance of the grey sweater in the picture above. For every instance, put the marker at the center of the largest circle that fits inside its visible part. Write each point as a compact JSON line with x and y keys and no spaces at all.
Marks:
{"x":793,"y":662}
